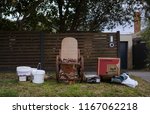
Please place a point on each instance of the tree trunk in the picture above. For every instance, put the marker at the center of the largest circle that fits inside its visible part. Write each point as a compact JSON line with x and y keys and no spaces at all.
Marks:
{"x":61,"y":19}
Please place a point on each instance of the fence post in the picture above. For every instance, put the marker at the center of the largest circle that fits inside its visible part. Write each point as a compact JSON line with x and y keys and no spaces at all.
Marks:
{"x":118,"y":43}
{"x":42,"y":42}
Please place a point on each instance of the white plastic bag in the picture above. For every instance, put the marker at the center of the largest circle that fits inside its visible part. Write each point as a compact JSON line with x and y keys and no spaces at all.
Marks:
{"x":130,"y":82}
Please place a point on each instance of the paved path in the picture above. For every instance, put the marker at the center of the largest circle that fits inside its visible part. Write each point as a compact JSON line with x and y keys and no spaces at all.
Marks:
{"x":143,"y":74}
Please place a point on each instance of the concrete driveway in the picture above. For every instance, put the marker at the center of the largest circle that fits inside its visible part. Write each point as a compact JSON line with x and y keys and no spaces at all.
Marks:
{"x":143,"y":74}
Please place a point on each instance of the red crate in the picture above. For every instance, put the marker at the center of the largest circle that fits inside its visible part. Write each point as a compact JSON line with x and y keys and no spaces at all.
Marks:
{"x":108,"y":66}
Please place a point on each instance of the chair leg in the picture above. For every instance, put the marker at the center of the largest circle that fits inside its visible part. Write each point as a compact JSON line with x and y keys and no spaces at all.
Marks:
{"x":57,"y":69}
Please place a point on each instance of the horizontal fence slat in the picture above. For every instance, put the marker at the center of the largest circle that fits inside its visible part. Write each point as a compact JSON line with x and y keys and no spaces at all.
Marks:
{"x":31,"y":47}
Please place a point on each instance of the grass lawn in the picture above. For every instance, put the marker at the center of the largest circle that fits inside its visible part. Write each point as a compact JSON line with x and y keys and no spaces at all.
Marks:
{"x":11,"y":87}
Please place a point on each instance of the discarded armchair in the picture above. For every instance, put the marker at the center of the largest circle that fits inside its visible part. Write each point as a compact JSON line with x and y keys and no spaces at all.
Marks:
{"x":69,"y":62}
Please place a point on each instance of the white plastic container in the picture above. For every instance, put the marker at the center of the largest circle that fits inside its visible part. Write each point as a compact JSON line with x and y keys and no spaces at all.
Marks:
{"x":22,"y":78}
{"x":97,"y":80}
{"x":23,"y":72}
{"x":32,"y":70}
{"x":38,"y":76}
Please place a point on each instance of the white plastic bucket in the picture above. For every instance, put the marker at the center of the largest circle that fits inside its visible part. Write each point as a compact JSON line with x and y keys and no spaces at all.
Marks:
{"x":23,"y":72}
{"x":38,"y":76}
{"x":32,"y":71}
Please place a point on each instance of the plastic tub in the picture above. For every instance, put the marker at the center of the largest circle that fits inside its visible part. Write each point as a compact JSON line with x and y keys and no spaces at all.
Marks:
{"x":38,"y":76}
{"x":23,"y":72}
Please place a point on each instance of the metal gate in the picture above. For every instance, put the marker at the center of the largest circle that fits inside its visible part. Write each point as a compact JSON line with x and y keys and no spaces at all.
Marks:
{"x":123,"y":54}
{"x":139,"y":55}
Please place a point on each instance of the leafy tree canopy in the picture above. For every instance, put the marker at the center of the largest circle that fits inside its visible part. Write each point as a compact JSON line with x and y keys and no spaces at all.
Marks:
{"x":68,"y":15}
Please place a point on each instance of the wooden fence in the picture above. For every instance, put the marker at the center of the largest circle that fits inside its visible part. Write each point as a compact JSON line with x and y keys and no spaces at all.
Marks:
{"x":30,"y":48}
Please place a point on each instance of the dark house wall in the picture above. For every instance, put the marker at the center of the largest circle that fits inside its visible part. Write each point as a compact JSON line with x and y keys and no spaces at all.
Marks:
{"x":139,"y":54}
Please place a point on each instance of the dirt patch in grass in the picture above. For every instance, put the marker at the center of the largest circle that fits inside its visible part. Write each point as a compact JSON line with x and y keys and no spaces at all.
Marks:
{"x":10,"y":86}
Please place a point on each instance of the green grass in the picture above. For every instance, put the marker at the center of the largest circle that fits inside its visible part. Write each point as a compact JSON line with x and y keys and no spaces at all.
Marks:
{"x":11,"y":87}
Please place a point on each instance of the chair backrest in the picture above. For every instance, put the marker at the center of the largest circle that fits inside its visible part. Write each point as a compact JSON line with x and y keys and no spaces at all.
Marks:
{"x":69,"y":49}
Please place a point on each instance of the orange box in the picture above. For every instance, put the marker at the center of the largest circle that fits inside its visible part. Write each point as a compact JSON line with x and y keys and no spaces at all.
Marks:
{"x":108,"y":66}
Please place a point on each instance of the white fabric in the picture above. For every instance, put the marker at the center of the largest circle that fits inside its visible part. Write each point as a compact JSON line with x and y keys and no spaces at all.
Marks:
{"x":130,"y":82}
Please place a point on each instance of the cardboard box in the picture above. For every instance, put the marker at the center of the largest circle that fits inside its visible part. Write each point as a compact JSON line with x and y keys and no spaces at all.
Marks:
{"x":108,"y":66}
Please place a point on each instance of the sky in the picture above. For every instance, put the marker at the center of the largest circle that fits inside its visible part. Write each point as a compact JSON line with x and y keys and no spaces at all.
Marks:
{"x":129,"y":29}
{"x":126,"y":30}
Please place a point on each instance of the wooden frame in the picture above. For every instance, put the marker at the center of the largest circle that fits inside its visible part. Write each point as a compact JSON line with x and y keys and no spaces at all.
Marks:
{"x":69,"y":68}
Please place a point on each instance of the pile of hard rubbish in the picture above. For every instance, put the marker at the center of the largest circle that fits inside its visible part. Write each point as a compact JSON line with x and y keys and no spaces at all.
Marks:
{"x":37,"y":76}
{"x":124,"y":79}
{"x":26,"y":73}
